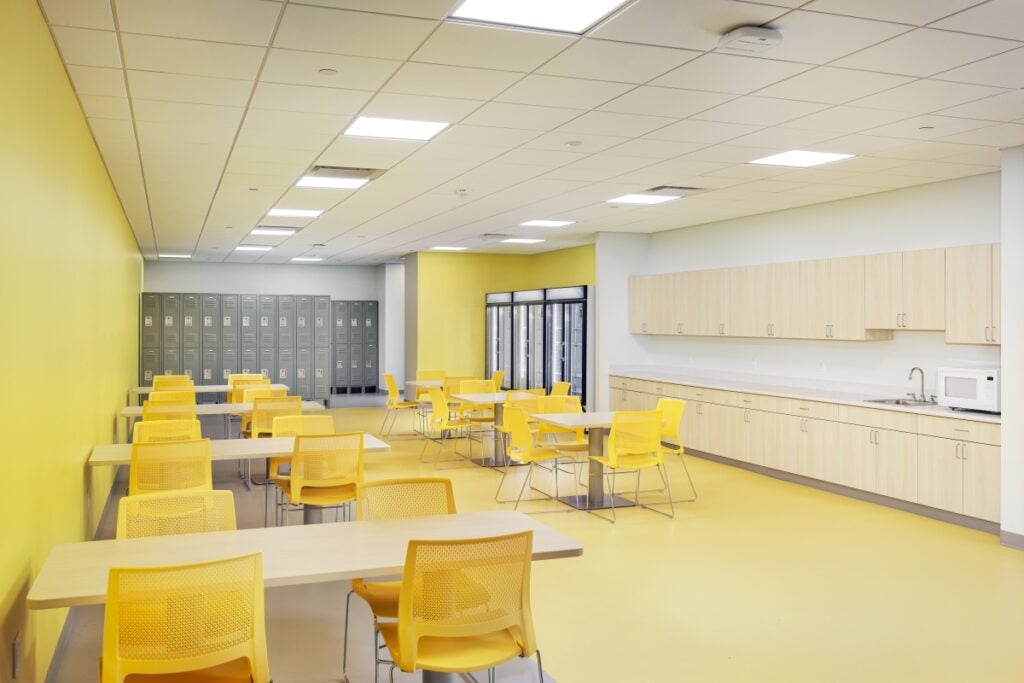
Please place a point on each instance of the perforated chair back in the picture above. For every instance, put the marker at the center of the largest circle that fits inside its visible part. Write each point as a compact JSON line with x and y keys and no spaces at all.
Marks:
{"x":171,"y":382}
{"x":250,"y":394}
{"x":184,"y":618}
{"x":439,"y":414}
{"x":476,"y":386}
{"x":302,"y":425}
{"x":634,"y":433}
{"x":175,"y":512}
{"x":428,"y":375}
{"x":326,"y":461}
{"x":403,"y":498}
{"x":173,"y":396}
{"x":170,"y":466}
{"x":671,"y":410}
{"x":264,"y":410}
{"x":157,"y":431}
{"x":498,"y":377}
{"x":520,"y":443}
{"x":559,"y":404}
{"x":453,"y":385}
{"x":243,"y":376}
{"x":560,"y":389}
{"x":237,"y":393}
{"x":168,"y":410}
{"x":394,"y":396}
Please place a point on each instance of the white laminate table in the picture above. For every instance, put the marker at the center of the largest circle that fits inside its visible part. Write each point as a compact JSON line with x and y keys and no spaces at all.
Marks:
{"x":497,"y":399}
{"x":199,"y":389}
{"x":129,"y":413}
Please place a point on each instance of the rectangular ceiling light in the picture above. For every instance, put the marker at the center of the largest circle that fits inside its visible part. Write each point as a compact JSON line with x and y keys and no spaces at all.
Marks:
{"x":521,"y":240}
{"x":574,"y":16}
{"x":307,"y":259}
{"x":175,"y":255}
{"x":294,"y":213}
{"x":449,"y":248}
{"x":400,"y":129}
{"x":252,"y":247}
{"x":546,"y":224}
{"x":643,"y":199}
{"x":274,"y":232}
{"x":331,"y":183}
{"x":800,"y":159}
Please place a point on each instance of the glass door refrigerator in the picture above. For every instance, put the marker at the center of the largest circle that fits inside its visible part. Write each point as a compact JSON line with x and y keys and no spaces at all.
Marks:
{"x":528,"y":339}
{"x":499,"y":336}
{"x":565,"y":334}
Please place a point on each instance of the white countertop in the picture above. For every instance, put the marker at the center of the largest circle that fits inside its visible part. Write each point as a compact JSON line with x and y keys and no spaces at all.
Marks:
{"x":785,"y":387}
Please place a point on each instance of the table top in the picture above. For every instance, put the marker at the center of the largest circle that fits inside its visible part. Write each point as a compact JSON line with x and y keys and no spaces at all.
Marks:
{"x":576,"y":420}
{"x":426,"y":383}
{"x":225,"y":449}
{"x":205,"y":388}
{"x":496,"y":397}
{"x":219,"y":409}
{"x":76,"y":573}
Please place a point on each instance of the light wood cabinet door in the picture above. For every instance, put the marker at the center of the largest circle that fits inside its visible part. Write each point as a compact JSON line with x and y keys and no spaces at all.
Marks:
{"x":981,"y":480}
{"x":924,"y":290}
{"x":814,"y":299}
{"x":883,"y":291}
{"x":695,"y":426}
{"x":622,"y":399}
{"x":969,"y":294}
{"x":639,"y":304}
{"x":724,"y":430}
{"x":754,"y":302}
{"x":695,"y":314}
{"x":856,"y":448}
{"x":818,"y":453}
{"x":715,"y":285}
{"x":788,"y":441}
{"x":678,"y":302}
{"x":997,"y":292}
{"x":760,"y":436}
{"x":940,"y":473}
{"x":786,"y":317}
{"x":846,"y":298}
{"x":896,"y":468}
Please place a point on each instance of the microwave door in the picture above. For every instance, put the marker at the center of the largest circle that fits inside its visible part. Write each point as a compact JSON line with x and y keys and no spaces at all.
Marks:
{"x":962,"y":388}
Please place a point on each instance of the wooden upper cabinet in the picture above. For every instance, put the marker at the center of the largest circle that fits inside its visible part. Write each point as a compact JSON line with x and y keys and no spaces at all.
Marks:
{"x":972,"y":294}
{"x":813,"y":319}
{"x":640,"y":302}
{"x":785,"y":318}
{"x":846,"y":298}
{"x":883,"y":290}
{"x":751,"y":296}
{"x":905,"y":290}
{"x":997,"y":292}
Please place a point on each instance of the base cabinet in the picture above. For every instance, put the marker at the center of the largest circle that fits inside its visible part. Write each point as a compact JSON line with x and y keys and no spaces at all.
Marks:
{"x":959,"y":476}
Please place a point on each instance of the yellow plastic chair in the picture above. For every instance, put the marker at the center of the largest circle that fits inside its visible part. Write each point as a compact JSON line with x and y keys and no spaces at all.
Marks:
{"x":175,"y":512}
{"x":171,"y":382}
{"x":671,"y":410}
{"x":170,"y":466}
{"x":478,"y":413}
{"x":251,"y":392}
{"x":204,"y":621}
{"x":523,"y":450}
{"x":498,"y":377}
{"x":395,"y":403}
{"x":577,"y":440}
{"x":634,"y":444}
{"x":173,"y":396}
{"x":265,"y":409}
{"x":560,"y":389}
{"x":441,"y":627}
{"x":427,"y":376}
{"x":238,"y":387}
{"x":243,"y":376}
{"x":325,"y":471}
{"x":168,"y":410}
{"x":393,"y":499}
{"x":440,"y":420}
{"x":528,"y":405}
{"x":291,"y":425}
{"x":157,"y":431}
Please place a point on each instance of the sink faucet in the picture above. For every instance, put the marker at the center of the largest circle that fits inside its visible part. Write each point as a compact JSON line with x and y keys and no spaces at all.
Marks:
{"x":912,"y":371}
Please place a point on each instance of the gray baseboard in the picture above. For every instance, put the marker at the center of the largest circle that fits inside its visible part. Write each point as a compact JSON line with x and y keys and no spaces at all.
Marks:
{"x":1011,"y":540}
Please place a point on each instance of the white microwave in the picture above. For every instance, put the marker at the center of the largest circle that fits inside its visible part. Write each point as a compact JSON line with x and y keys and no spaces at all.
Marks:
{"x":969,"y":388}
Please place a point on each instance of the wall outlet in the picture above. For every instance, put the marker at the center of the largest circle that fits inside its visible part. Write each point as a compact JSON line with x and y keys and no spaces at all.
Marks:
{"x":16,"y":655}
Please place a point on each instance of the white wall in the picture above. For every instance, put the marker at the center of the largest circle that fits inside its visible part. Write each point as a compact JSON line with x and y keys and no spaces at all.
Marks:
{"x":1011,"y":333}
{"x":391,"y":281}
{"x":340,"y":282}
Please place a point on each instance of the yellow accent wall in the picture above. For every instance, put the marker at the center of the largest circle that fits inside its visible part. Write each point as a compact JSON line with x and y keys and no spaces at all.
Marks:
{"x":450,"y":298}
{"x":70,"y":273}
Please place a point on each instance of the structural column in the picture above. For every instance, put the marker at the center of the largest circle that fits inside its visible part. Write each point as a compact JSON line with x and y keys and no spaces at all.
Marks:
{"x":1012,"y":336}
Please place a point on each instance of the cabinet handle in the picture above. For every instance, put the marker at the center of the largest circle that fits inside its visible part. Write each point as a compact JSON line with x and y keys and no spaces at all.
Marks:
{"x":993,"y":340}
{"x":746,"y":416}
{"x":768,"y":329}
{"x":803,"y":408}
{"x":958,"y":429}
{"x":679,"y":328}
{"x":963,"y":452}
{"x":643,"y":327}
{"x":986,"y":333}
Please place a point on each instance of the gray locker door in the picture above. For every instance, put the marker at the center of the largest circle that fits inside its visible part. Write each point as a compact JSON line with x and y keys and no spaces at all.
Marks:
{"x":229,"y":323}
{"x":150,"y":321}
{"x":341,"y":365}
{"x":268,"y":322}
{"x":172,"y":361}
{"x":211,"y":321}
{"x":370,"y":366}
{"x":321,"y":321}
{"x":211,"y":366}
{"x":355,"y":322}
{"x":249,"y":324}
{"x":150,"y":366}
{"x":304,"y":373}
{"x":355,"y":362}
{"x":170,"y":313}
{"x":371,"y":320}
{"x":250,"y":361}
{"x":341,"y":322}
{"x":304,"y":322}
{"x":268,"y":363}
{"x":192,"y":364}
{"x":286,"y":368}
{"x":286,"y":322}
{"x":191,"y":329}
{"x":322,"y":373}
{"x":228,"y":364}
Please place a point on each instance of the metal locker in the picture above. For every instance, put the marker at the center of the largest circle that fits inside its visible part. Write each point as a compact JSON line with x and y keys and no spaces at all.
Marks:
{"x":370,"y":365}
{"x":170,"y":314}
{"x":371,"y":321}
{"x":268,"y":363}
{"x":304,"y":373}
{"x":304,"y":322}
{"x":229,"y":321}
{"x":286,"y":322}
{"x":249,"y":324}
{"x":211,"y":321}
{"x":355,"y":363}
{"x":191,"y":330}
{"x":340,"y":322}
{"x":250,"y":361}
{"x":228,"y":364}
{"x":172,"y":361}
{"x":150,"y":366}
{"x":211,"y":366}
{"x":341,"y":365}
{"x":321,"y":321}
{"x":286,"y":368}
{"x":268,"y":322}
{"x":192,"y":364}
{"x":322,"y":373}
{"x":355,"y":321}
{"x":150,"y":322}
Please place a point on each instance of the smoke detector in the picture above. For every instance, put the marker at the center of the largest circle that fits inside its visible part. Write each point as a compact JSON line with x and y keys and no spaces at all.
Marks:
{"x":749,"y":40}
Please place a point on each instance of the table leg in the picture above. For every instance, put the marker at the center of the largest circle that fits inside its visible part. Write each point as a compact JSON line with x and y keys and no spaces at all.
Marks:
{"x":499,"y":418}
{"x":439,"y":677}
{"x":596,"y":497}
{"x":312,"y":514}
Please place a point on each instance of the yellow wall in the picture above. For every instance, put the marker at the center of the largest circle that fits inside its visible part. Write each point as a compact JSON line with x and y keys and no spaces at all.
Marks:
{"x":70,"y":274}
{"x":450,"y":298}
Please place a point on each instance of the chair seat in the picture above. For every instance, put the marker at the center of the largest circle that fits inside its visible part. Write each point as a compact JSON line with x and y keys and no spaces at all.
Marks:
{"x":237,"y":670}
{"x":321,"y":495}
{"x":573,"y":446}
{"x":629,"y":462}
{"x":404,"y":404}
{"x":538,"y":455}
{"x":454,"y":655}
{"x":381,"y":596}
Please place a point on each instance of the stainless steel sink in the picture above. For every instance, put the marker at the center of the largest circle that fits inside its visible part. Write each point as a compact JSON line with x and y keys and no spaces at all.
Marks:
{"x":900,"y":402}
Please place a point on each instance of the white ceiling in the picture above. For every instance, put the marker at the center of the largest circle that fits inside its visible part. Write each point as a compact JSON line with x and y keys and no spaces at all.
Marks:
{"x":208,"y":111}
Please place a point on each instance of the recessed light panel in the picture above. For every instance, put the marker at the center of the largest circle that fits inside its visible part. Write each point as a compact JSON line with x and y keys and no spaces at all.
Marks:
{"x":273,"y":232}
{"x":400,"y":129}
{"x":252,"y":247}
{"x":294,"y":213}
{"x":521,"y":240}
{"x":175,"y":255}
{"x":643,"y":199}
{"x":448,"y":248}
{"x":307,"y":259}
{"x":331,"y":183}
{"x":546,"y":224}
{"x":570,"y":16}
{"x":800,"y":159}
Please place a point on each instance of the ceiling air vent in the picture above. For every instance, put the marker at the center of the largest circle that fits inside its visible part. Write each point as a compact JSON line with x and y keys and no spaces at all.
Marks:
{"x":494,"y":237}
{"x":338,"y":177}
{"x":675,"y":190}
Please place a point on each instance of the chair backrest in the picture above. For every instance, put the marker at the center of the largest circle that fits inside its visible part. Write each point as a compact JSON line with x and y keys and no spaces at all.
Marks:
{"x":176,"y":619}
{"x":243,"y":376}
{"x":173,"y":396}
{"x":237,"y":393}
{"x":438,"y":409}
{"x":175,"y":512}
{"x":476,"y":386}
{"x":520,"y":440}
{"x":634,"y":433}
{"x":170,"y":466}
{"x":302,"y":425}
{"x":466,"y":587}
{"x":394,"y":396}
{"x":498,"y":377}
{"x":559,"y":404}
{"x":156,"y":431}
{"x":671,"y":410}
{"x":536,"y":392}
{"x":171,"y":382}
{"x":427,"y":375}
{"x":168,"y":410}
{"x":530,"y":406}
{"x":264,"y":410}
{"x":453,"y":385}
{"x":560,"y":389}
{"x":327,"y":460}
{"x":250,"y":394}
{"x":402,"y":498}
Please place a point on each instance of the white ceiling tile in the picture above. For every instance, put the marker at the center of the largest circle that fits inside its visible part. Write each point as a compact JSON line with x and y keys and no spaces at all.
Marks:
{"x":83,"y":13}
{"x":924,"y":52}
{"x":999,"y":135}
{"x":833,"y":86}
{"x":939,"y":170}
{"x":927,"y":127}
{"x":242,"y":154}
{"x":152,"y":85}
{"x":803,"y":34}
{"x":490,"y":47}
{"x":539,"y":157}
{"x":367,"y":153}
{"x":917,"y":12}
{"x":250,"y":22}
{"x":745,"y":171}
{"x":427,"y":9}
{"x":450,"y":81}
{"x":846,"y":119}
{"x":926,"y":96}
{"x":485,"y":136}
{"x":665,"y":101}
{"x":654,"y":149}
{"x":609,"y":61}
{"x":87,"y":47}
{"x":783,"y":138}
{"x":974,"y":154}
{"x":562,"y":92}
{"x":1009,"y":106}
{"x":308,"y":99}
{"x":303,"y":68}
{"x":187,"y":114}
{"x":612,"y":162}
{"x":730,"y":154}
{"x":112,"y":128}
{"x":863,"y":164}
{"x":729,"y":73}
{"x":310,"y":198}
{"x":1003,"y":18}
{"x":588,"y":143}
{"x":419,"y":107}
{"x":609,"y":123}
{"x":105,"y":107}
{"x":192,"y":57}
{"x":858,"y":144}
{"x":500,"y":114}
{"x":353,"y":33}
{"x":694,"y":24}
{"x":925,"y":150}
{"x":94,"y":80}
{"x":764,"y":111}
{"x":708,"y":132}
{"x":1005,"y":70}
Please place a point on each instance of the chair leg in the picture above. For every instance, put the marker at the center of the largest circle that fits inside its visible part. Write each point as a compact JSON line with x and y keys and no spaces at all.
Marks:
{"x":540,"y":668}
{"x":690,"y":480}
{"x":387,"y":414}
{"x":529,"y":475}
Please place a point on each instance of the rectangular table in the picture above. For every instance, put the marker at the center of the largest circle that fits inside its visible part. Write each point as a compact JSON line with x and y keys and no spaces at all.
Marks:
{"x":129,"y":413}
{"x":497,"y":399}
{"x":135,"y":392}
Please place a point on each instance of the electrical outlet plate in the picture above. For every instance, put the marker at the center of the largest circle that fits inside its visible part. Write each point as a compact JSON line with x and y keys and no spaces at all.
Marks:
{"x":16,"y":655}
